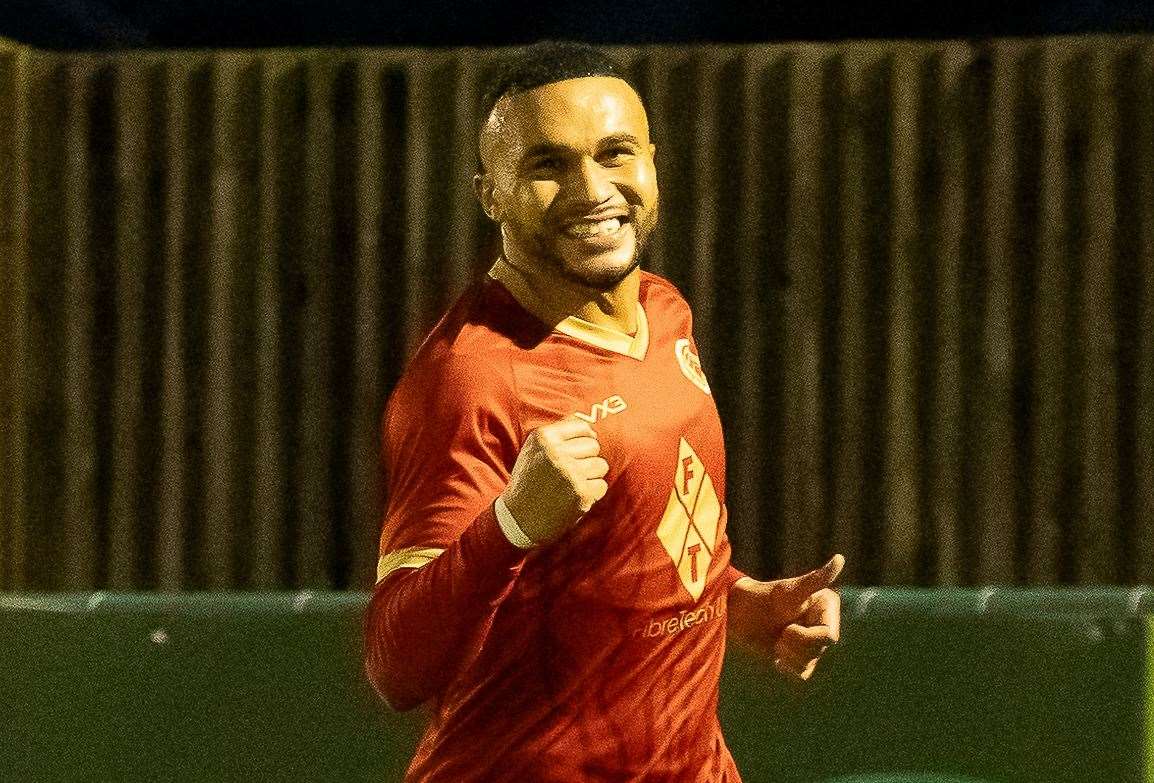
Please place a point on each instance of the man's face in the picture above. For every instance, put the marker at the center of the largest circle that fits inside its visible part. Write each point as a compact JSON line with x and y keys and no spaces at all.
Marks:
{"x":569,"y":176}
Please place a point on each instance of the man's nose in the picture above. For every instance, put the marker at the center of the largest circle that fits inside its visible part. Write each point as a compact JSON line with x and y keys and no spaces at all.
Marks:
{"x":591,"y":182}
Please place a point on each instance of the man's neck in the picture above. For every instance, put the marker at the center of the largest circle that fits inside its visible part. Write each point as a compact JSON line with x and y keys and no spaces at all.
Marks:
{"x":555,"y":296}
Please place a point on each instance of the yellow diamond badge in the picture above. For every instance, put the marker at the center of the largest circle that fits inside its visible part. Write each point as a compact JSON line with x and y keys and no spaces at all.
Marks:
{"x":688,"y":529}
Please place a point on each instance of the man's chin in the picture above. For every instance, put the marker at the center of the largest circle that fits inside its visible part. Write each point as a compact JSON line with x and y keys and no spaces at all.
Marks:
{"x":603,"y":276}
{"x":599,"y":271}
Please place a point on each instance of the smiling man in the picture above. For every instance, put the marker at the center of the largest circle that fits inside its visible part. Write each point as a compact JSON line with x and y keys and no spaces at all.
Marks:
{"x":569,"y":177}
{"x":554,"y":577}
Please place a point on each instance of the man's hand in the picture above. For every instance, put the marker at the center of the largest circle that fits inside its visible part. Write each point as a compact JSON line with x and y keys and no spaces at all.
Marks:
{"x":792,"y":620}
{"x":558,"y":476}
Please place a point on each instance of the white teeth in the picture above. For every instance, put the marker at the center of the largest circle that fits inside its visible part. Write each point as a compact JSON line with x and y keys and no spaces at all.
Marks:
{"x":587,"y":230}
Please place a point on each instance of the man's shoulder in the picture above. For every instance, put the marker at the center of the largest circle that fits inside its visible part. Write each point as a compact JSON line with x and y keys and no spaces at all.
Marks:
{"x":468,"y":353}
{"x":655,"y":283}
{"x":659,"y":293}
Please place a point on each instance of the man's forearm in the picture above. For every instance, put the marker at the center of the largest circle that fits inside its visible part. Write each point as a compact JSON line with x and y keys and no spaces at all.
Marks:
{"x":422,"y":625}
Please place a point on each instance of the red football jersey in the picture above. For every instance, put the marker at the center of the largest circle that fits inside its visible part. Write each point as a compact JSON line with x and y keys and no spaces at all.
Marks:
{"x":598,"y":656}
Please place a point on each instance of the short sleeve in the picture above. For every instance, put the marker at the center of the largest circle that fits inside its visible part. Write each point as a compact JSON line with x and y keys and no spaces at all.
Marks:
{"x":449,"y":440}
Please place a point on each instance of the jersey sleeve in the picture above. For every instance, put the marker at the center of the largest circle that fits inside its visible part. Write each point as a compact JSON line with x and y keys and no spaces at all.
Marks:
{"x":730,"y":576}
{"x":445,"y":564}
{"x":449,"y":441}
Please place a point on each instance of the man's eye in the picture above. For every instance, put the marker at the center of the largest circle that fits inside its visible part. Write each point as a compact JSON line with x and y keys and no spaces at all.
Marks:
{"x":545,"y":164}
{"x":617,"y":154}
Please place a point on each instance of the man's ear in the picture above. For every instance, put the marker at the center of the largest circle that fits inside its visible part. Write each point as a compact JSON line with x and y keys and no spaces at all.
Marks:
{"x":483,"y":188}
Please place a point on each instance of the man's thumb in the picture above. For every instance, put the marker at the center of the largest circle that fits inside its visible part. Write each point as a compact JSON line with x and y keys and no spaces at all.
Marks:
{"x":818,"y":579}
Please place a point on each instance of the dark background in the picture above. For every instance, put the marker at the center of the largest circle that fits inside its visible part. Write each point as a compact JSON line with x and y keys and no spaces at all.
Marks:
{"x":100,"y":24}
{"x":922,"y":274}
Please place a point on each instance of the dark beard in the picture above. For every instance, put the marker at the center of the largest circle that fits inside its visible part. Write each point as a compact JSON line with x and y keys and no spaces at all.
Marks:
{"x":609,"y":280}
{"x":602,"y":283}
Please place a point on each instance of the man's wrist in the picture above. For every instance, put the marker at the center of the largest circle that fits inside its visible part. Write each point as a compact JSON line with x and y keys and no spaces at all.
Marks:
{"x":509,"y":526}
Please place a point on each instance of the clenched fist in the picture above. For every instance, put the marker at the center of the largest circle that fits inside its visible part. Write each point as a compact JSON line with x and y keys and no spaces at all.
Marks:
{"x":558,"y":476}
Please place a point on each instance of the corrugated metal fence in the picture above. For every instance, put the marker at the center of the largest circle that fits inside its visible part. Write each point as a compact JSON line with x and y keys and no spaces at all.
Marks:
{"x":923,"y":278}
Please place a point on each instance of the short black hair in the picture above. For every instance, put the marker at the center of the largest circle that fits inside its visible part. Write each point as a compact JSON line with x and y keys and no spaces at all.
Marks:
{"x":546,"y":62}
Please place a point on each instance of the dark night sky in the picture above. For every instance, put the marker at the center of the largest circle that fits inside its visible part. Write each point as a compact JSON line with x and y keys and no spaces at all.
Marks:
{"x":97,"y":24}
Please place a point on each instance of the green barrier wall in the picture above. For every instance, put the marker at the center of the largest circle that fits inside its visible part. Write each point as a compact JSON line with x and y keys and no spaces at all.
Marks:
{"x":202,"y":687}
{"x":1150,"y":699}
{"x":928,"y":686}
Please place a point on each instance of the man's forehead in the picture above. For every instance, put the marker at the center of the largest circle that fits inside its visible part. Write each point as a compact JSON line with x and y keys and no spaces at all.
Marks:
{"x":571,"y":109}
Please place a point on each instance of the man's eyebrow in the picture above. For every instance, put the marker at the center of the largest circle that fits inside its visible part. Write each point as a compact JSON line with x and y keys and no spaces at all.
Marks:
{"x":549,"y":148}
{"x":619,"y":138}
{"x":544,"y":148}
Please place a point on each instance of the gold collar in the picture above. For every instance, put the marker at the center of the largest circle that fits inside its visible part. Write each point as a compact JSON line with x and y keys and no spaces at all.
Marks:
{"x":633,"y":345}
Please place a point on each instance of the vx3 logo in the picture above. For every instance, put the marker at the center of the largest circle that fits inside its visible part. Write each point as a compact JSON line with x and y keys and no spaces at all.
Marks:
{"x":601,"y":410}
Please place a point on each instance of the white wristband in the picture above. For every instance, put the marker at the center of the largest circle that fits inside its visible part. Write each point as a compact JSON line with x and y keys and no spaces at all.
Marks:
{"x":509,"y":525}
